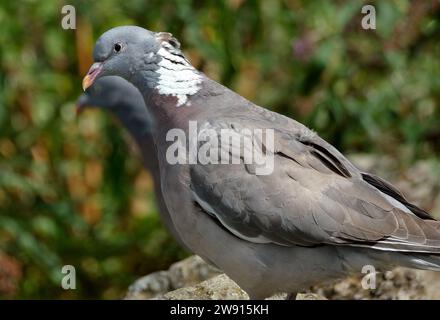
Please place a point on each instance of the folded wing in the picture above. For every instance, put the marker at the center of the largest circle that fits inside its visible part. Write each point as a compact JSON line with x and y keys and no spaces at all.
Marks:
{"x":314,"y":196}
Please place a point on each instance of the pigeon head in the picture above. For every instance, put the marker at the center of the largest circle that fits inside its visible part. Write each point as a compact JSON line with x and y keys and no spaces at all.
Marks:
{"x":151,"y":60}
{"x":119,"y":51}
{"x":122,"y":99}
{"x":108,"y":92}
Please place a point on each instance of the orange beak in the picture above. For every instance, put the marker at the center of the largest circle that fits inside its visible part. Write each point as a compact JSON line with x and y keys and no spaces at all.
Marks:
{"x":94,"y":70}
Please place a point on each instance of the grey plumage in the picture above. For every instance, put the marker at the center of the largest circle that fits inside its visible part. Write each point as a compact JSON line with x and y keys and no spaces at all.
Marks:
{"x":315,"y":218}
{"x":123,"y":100}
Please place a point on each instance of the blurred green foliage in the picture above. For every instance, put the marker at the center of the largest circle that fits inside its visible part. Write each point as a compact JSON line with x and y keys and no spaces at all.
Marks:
{"x":70,"y":195}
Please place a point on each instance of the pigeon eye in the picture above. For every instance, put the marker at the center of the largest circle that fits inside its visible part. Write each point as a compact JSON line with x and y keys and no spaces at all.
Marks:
{"x":117,"y":47}
{"x":173,"y":43}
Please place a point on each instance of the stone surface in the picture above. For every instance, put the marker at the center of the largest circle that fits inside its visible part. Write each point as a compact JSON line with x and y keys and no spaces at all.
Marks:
{"x":399,"y":284}
{"x":222,"y":288}
{"x":187,"y":272}
{"x":218,"y":288}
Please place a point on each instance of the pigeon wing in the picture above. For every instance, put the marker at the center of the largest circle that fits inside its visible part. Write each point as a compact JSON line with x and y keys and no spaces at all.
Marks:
{"x":313,"y":196}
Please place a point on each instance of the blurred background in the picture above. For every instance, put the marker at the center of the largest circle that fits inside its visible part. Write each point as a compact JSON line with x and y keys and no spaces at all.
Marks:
{"x":72,"y":190}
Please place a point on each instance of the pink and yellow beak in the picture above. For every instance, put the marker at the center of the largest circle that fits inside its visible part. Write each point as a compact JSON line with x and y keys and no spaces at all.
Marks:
{"x":94,"y":70}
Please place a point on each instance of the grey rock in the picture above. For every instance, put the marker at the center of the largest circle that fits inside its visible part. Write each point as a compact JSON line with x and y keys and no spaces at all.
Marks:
{"x":399,"y":284}
{"x":149,"y":286}
{"x":221,"y":287}
{"x":217,"y":288}
{"x":191,"y":271}
{"x":187,"y":272}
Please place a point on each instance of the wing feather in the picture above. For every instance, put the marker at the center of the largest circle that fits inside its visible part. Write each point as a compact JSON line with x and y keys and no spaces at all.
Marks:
{"x":314,"y":196}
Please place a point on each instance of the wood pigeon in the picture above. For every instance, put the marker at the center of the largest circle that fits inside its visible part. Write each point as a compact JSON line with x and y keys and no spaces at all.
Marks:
{"x":313,"y":217}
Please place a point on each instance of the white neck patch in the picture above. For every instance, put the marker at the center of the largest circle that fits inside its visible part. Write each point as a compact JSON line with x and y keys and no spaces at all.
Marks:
{"x":177,"y":77}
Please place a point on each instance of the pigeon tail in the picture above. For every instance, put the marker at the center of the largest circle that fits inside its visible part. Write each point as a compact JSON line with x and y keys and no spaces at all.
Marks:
{"x":421,"y":261}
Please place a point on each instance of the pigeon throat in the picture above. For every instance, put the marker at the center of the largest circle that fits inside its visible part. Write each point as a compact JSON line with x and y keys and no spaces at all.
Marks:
{"x":176,"y":76}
